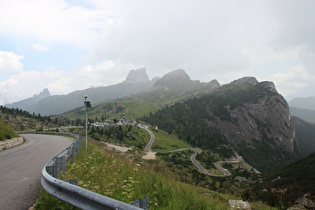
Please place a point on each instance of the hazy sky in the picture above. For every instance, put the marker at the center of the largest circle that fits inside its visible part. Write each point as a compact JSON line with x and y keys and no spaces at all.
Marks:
{"x":66,"y":45}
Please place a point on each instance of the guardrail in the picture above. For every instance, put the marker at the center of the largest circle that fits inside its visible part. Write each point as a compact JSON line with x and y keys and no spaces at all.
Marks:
{"x":75,"y":195}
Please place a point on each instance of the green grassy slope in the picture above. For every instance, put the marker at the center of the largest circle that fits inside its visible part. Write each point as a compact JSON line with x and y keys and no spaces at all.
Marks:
{"x":115,"y":175}
{"x":6,"y":132}
{"x":130,"y":108}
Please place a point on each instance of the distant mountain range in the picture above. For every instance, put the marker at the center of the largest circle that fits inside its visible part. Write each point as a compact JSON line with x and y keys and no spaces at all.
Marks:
{"x":137,"y":82}
{"x":303,"y":108}
{"x":303,"y":103}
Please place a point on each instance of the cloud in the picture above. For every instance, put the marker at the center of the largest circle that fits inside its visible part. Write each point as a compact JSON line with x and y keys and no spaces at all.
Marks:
{"x":23,"y":85}
{"x":20,"y":86}
{"x":293,"y":80}
{"x":222,"y":40}
{"x":198,"y":36}
{"x":40,"y":47}
{"x":10,"y":62}
{"x":52,"y":21}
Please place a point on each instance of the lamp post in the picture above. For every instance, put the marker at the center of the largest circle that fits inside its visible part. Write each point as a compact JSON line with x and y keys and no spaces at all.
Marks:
{"x":87,"y":105}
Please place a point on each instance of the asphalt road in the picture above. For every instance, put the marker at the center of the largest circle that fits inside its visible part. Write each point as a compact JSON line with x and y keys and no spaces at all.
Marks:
{"x":20,"y":168}
{"x":152,"y":137}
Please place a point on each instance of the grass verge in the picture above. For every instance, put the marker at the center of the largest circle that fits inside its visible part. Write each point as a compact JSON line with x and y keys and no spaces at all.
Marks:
{"x":112,"y":174}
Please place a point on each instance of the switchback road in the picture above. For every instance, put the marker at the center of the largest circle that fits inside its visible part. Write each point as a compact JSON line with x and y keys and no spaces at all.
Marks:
{"x":20,"y":168}
{"x":193,"y":157}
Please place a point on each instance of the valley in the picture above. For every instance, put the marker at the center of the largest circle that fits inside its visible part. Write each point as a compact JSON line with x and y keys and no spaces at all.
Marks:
{"x":200,"y":135}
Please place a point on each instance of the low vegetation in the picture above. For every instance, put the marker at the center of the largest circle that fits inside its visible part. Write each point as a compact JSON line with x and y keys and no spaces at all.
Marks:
{"x":6,"y":132}
{"x":113,"y":175}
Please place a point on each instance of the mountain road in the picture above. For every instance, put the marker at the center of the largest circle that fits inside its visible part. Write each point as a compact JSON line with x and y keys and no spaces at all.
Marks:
{"x":21,"y":166}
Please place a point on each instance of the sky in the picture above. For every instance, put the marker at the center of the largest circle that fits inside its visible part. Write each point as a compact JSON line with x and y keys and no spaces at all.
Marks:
{"x":68,"y":45}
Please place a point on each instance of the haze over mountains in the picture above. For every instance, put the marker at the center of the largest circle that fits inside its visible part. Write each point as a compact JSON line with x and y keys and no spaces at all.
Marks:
{"x":245,"y":117}
{"x":136,"y":82}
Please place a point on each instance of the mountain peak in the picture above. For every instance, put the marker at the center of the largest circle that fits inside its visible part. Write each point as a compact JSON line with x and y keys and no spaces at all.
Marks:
{"x":173,"y":80}
{"x":137,"y":76}
{"x":45,"y":93}
{"x":245,"y":81}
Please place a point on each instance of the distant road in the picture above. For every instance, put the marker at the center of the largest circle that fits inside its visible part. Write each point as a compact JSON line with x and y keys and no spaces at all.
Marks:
{"x":152,"y":137}
{"x":193,"y":157}
{"x":20,"y":168}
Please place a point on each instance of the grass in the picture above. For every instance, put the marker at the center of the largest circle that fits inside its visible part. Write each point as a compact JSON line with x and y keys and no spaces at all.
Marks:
{"x":165,"y":142}
{"x":119,"y":176}
{"x":130,"y":108}
{"x":6,"y":132}
{"x":108,"y":173}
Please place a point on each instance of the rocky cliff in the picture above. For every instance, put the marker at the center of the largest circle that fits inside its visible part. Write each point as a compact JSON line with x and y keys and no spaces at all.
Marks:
{"x":250,"y":116}
{"x":263,"y":116}
{"x":137,"y":76}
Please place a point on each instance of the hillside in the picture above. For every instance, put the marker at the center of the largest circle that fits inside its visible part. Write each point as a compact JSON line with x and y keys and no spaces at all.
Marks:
{"x":109,"y":110}
{"x":305,"y":114}
{"x":6,"y":132}
{"x":250,"y":116}
{"x":294,"y":183}
{"x":303,"y":103}
{"x":175,"y":86}
{"x":305,"y":133}
{"x":21,"y":120}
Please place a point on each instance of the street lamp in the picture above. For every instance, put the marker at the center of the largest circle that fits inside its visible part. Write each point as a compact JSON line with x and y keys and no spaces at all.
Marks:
{"x":87,"y":105}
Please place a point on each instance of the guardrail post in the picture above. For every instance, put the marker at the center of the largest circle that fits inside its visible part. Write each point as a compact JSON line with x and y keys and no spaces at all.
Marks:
{"x":73,"y":153}
{"x":141,"y":203}
{"x":63,"y":164}
{"x":53,"y":171}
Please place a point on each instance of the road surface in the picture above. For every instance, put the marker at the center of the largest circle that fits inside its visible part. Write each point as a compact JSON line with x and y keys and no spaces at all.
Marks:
{"x":20,"y":168}
{"x":152,"y":137}
{"x":193,"y":157}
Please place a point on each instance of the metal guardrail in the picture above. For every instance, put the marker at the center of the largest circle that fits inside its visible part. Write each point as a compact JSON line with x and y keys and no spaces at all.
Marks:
{"x":75,"y":195}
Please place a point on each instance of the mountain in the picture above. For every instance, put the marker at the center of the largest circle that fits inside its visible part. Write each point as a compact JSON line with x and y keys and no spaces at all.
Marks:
{"x":175,"y":86}
{"x":137,"y":82}
{"x":29,"y":103}
{"x":303,"y":103}
{"x":137,"y":76}
{"x":250,"y":116}
{"x":305,"y":133}
{"x":292,"y":184}
{"x":179,"y":80}
{"x":305,"y":114}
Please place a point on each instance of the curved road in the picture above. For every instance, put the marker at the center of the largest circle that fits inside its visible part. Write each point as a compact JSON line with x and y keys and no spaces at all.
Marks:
{"x":20,"y":168}
{"x":193,"y":157}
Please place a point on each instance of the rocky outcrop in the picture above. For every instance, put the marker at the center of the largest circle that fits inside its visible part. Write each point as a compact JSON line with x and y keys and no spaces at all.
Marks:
{"x":29,"y":103}
{"x":239,"y":204}
{"x":307,"y":201}
{"x":137,"y":76}
{"x":245,"y":81}
{"x":177,"y":79}
{"x":6,"y":144}
{"x":266,"y":117}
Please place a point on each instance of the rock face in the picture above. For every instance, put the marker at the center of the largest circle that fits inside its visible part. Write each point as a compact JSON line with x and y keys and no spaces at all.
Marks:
{"x":137,"y":76}
{"x":266,"y":117}
{"x":10,"y":143}
{"x":239,"y":204}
